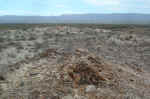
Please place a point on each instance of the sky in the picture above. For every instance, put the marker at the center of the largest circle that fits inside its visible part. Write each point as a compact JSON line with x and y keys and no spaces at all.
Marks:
{"x":59,"y":7}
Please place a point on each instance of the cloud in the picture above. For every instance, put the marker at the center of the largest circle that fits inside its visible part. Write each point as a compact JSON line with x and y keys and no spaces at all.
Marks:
{"x":66,"y":12}
{"x":1,"y":11}
{"x":120,"y":6}
{"x":105,"y":2}
{"x":120,"y":3}
{"x":60,"y":6}
{"x":16,"y":12}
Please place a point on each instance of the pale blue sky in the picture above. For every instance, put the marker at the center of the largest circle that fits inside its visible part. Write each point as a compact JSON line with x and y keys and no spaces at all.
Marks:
{"x":58,"y":7}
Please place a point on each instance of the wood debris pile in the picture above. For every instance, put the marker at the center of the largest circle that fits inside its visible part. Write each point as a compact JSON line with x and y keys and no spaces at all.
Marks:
{"x":85,"y":70}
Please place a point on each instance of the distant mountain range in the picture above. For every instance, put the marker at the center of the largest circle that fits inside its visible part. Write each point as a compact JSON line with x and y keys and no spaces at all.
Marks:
{"x":81,"y":18}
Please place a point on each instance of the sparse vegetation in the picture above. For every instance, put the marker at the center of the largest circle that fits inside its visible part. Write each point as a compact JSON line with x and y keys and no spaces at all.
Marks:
{"x":40,"y":61}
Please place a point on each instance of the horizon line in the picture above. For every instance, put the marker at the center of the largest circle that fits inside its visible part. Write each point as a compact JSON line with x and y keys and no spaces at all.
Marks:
{"x":76,"y":14}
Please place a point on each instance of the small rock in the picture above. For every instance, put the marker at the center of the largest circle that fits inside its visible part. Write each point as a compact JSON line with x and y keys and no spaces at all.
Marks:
{"x":22,"y":84}
{"x":68,"y":97}
{"x":79,"y":97}
{"x":90,"y":88}
{"x":2,"y":78}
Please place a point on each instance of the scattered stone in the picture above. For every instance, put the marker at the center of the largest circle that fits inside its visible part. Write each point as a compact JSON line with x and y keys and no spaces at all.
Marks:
{"x":90,"y":88}
{"x":68,"y":97}
{"x":52,"y":63}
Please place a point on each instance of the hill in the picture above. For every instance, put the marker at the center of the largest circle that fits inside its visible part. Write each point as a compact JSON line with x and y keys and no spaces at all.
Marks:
{"x":81,"y":18}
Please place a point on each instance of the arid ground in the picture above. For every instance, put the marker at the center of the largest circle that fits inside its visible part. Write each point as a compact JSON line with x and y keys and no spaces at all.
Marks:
{"x":78,"y":61}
